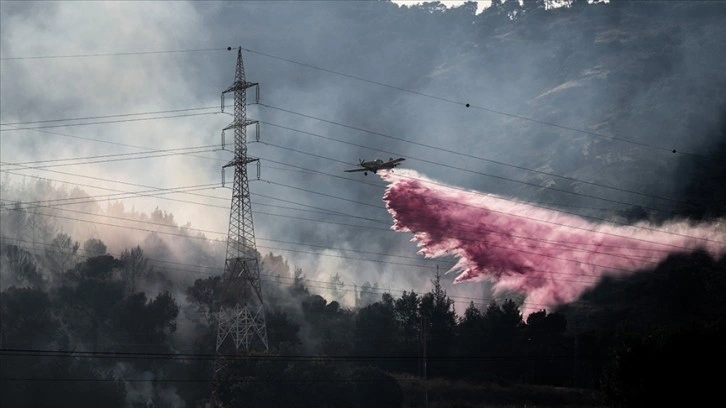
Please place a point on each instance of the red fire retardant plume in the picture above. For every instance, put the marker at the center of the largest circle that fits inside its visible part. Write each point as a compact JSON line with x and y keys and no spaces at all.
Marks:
{"x":550,"y":257}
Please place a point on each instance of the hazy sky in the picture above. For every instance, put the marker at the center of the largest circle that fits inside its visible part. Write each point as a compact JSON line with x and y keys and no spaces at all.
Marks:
{"x":552,"y":75}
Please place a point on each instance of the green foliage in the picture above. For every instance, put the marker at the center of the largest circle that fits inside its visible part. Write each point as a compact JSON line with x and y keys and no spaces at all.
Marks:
{"x":22,"y":267}
{"x":88,"y":298}
{"x":135,"y":268}
{"x":282,"y":332}
{"x":146,"y":323}
{"x":204,"y":294}
{"x":375,"y":388}
{"x":439,"y":320}
{"x":298,"y":286}
{"x":62,"y":382}
{"x":263,"y":380}
{"x":27,"y":319}
{"x":61,"y":253}
{"x":668,"y":368}
{"x":375,"y":330}
{"x":94,"y":247}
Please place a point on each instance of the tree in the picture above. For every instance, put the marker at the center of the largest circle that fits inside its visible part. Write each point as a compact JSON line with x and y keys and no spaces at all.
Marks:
{"x":298,"y":283}
{"x":27,"y":319}
{"x":282,"y":333}
{"x":135,"y":267}
{"x":94,"y":247}
{"x":22,"y":265}
{"x":15,"y":221}
{"x":61,"y":254}
{"x":409,"y":321}
{"x":547,"y":349}
{"x":376,"y":331}
{"x":471,"y":341}
{"x":440,"y":322}
{"x":146,"y":322}
{"x":336,"y":286}
{"x":204,"y":295}
{"x":503,"y":327}
{"x":89,"y":297}
{"x":329,"y":326}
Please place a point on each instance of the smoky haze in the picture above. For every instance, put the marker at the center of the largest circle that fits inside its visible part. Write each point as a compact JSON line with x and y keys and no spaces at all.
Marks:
{"x":609,"y":117}
{"x":639,"y":79}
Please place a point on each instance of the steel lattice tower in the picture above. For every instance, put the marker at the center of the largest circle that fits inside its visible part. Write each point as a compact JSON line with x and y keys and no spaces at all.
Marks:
{"x":241,"y":316}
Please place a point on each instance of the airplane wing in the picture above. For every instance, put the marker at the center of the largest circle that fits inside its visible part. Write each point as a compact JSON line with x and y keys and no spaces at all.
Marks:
{"x":400,"y":159}
{"x":352,"y":170}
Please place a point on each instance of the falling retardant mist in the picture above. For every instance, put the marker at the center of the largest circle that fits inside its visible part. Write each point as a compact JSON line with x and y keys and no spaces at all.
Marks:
{"x":548,"y":256}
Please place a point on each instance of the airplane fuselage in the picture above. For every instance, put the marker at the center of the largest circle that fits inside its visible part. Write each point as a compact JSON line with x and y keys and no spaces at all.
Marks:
{"x":376,"y":165}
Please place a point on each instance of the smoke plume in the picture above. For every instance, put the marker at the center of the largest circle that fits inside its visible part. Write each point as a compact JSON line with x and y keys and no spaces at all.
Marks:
{"x":550,"y":257}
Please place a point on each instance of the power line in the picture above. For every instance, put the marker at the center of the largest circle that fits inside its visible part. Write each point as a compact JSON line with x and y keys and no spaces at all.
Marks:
{"x":107,"y":155}
{"x":107,"y":180}
{"x":242,"y":357}
{"x":158,"y":192}
{"x":360,"y":259}
{"x":539,"y":220}
{"x":482,"y":174}
{"x":320,"y":156}
{"x":567,"y":225}
{"x":438,"y":148}
{"x":452,"y":187}
{"x":94,"y":198}
{"x":379,"y":185}
{"x":333,"y":248}
{"x":147,"y":222}
{"x":357,"y":286}
{"x":321,"y":194}
{"x":472,"y":106}
{"x":521,"y":202}
{"x":109,"y":121}
{"x":91,"y":199}
{"x":383,"y":186}
{"x":114,"y":54}
{"x":454,"y":167}
{"x":224,"y":241}
{"x":104,"y":141}
{"x":562,"y":244}
{"x":558,"y":243}
{"x":363,"y":203}
{"x":79,"y":163}
{"x":357,"y":202}
{"x":118,"y":115}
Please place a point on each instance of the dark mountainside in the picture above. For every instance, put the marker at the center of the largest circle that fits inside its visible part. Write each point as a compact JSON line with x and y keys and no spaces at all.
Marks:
{"x":121,"y":317}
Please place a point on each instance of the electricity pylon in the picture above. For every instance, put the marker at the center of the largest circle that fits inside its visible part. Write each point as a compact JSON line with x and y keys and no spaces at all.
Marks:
{"x":241,"y":315}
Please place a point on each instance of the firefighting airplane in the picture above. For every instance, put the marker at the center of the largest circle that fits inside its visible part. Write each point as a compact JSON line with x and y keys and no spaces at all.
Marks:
{"x":376,"y":165}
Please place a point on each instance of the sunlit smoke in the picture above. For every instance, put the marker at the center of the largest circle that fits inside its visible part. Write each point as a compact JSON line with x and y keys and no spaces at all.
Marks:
{"x":550,"y":257}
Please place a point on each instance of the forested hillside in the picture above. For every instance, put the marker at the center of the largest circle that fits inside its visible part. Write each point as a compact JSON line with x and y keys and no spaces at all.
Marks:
{"x":106,"y":305}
